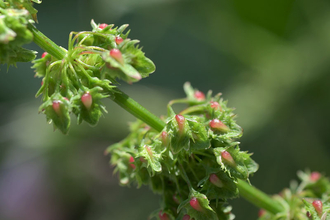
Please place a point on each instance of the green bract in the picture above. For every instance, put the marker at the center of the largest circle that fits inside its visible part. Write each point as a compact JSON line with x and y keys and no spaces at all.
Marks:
{"x":15,"y":16}
{"x":182,"y":161}
{"x":90,"y":66}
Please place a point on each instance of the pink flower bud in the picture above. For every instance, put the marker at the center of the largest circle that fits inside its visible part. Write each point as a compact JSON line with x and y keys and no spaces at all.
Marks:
{"x":226,"y":156}
{"x":176,"y":199}
{"x":164,"y":138}
{"x":318,"y":206}
{"x":195,"y":204}
{"x":214,"y":179}
{"x":181,"y":121}
{"x":199,"y":96}
{"x":66,"y":98}
{"x":57,"y":107}
{"x":217,"y":125}
{"x":118,"y":40}
{"x":87,"y":100}
{"x":102,"y":26}
{"x":215,"y":105}
{"x":131,"y":161}
{"x":315,"y":176}
{"x":186,"y":217}
{"x":44,"y":54}
{"x":149,"y":151}
{"x":163,"y":216}
{"x":116,"y":54}
{"x":261,"y":212}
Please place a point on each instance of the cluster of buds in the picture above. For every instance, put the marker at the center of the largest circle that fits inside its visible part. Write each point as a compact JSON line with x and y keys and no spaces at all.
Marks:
{"x":194,"y":162}
{"x":94,"y":61}
{"x":308,"y":200}
{"x":15,"y":16}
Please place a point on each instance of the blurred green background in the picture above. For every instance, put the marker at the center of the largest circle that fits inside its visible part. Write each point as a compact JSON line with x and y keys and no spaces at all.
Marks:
{"x":270,"y":59}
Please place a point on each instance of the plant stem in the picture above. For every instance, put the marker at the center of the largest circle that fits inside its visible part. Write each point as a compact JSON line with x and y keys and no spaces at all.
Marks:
{"x":46,"y":44}
{"x":258,"y":198}
{"x":247,"y":191}
{"x":137,"y":110}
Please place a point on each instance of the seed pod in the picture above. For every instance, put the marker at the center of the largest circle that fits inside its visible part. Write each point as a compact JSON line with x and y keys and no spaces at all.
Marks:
{"x":215,"y":105}
{"x":87,"y":100}
{"x":261,"y":213}
{"x":149,"y":151}
{"x":217,"y":125}
{"x":44,"y":54}
{"x":57,"y":107}
{"x":163,"y":216}
{"x":186,"y":217}
{"x":318,"y":206}
{"x":226,"y":156}
{"x":315,"y":176}
{"x":164,"y":136}
{"x":195,"y":204}
{"x":116,"y":54}
{"x":131,"y":161}
{"x":118,"y":40}
{"x":102,"y":26}
{"x":181,"y":121}
{"x":214,"y":179}
{"x":199,"y":96}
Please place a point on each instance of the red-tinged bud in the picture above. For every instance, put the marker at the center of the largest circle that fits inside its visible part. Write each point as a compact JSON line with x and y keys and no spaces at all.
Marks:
{"x":214,"y":179}
{"x":176,"y":199}
{"x":217,"y":125}
{"x":118,"y":40}
{"x":164,"y":138}
{"x":195,"y":204}
{"x":318,"y":206}
{"x":142,"y":160}
{"x":131,"y":161}
{"x":102,"y":26}
{"x":226,"y":156}
{"x":163,"y":216}
{"x":315,"y":176}
{"x":308,"y":214}
{"x":186,"y":217}
{"x":87,"y":100}
{"x":149,"y":151}
{"x":261,"y":212}
{"x":181,"y":121}
{"x":199,"y":96}
{"x":215,"y":105}
{"x":44,"y":54}
{"x":116,"y":54}
{"x":66,"y":98}
{"x":57,"y":107}
{"x":42,"y":82}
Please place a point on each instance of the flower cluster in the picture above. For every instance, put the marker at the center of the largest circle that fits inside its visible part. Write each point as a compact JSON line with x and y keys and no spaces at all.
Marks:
{"x":87,"y":73}
{"x":15,"y":15}
{"x":308,"y":200}
{"x":194,"y":162}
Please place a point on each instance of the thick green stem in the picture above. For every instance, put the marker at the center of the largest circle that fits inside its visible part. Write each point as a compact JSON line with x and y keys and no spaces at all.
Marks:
{"x":258,"y":198}
{"x":46,"y":44}
{"x":247,"y":191}
{"x":137,"y":110}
